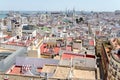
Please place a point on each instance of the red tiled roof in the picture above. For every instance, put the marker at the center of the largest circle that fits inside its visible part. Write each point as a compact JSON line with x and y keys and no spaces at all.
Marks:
{"x":8,"y":37}
{"x":28,"y":42}
{"x":15,"y":70}
{"x":39,"y":69}
{"x":44,"y":49}
{"x":91,"y":42}
{"x":69,"y":56}
{"x":56,"y":50}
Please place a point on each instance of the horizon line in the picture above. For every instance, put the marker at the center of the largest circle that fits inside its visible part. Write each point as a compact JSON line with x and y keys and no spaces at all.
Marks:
{"x":66,"y":10}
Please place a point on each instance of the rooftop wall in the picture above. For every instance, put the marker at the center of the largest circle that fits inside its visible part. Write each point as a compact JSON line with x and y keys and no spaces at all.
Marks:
{"x":14,"y":47}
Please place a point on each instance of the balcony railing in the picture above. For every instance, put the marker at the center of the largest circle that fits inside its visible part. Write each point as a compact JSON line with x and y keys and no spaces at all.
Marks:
{"x":114,"y":67}
{"x":117,"y":60}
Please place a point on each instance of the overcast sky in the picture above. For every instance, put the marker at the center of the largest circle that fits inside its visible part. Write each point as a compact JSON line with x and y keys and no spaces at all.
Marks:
{"x":53,"y":5}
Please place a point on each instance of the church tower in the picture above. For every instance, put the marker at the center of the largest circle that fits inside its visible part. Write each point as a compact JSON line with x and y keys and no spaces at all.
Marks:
{"x":16,"y":29}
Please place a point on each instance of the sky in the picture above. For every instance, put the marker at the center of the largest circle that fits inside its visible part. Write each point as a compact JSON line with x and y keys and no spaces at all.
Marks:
{"x":60,"y":5}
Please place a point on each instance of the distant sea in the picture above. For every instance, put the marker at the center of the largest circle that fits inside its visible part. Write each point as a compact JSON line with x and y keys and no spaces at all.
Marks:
{"x":3,"y":16}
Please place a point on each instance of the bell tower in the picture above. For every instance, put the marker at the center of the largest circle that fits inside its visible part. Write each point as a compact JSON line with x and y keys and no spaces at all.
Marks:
{"x":16,"y":29}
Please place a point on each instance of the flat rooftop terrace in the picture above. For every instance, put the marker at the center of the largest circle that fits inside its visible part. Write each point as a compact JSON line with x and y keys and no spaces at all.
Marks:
{"x":84,"y":74}
{"x":6,"y":50}
{"x":5,"y":53}
{"x":61,"y":72}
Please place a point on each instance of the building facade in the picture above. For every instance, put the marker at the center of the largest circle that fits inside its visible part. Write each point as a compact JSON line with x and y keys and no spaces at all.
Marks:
{"x":114,"y":68}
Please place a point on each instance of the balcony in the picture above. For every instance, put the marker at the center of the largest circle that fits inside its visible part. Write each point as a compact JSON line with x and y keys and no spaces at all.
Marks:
{"x":110,"y":70}
{"x":111,"y":63}
{"x":118,"y":77}
{"x":114,"y":74}
{"x":115,"y":67}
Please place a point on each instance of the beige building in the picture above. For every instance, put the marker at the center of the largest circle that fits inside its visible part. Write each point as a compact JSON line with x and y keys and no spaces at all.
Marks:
{"x":114,"y":67}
